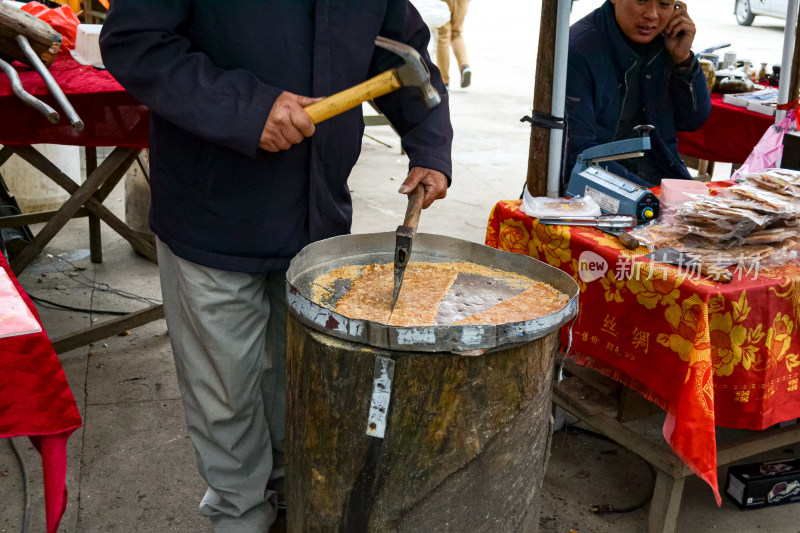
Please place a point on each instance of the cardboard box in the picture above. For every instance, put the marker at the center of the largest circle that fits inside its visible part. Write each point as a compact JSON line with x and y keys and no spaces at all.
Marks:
{"x":762,"y":101}
{"x":757,"y":485}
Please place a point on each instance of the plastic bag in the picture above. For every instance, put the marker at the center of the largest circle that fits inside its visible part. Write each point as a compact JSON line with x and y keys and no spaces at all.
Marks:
{"x":435,"y":13}
{"x":542,"y":206}
{"x":62,"y":19}
{"x":767,"y":153}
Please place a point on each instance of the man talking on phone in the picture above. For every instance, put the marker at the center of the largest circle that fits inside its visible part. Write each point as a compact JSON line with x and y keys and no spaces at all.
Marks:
{"x":631,"y":63}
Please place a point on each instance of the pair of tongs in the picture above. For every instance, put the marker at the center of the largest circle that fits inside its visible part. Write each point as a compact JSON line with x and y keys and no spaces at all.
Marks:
{"x":604,"y":222}
{"x":612,"y":224}
{"x":19,"y":23}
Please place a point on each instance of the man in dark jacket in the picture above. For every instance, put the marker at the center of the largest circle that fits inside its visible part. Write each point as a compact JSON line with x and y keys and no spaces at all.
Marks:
{"x":630,"y":63}
{"x":241,"y":180}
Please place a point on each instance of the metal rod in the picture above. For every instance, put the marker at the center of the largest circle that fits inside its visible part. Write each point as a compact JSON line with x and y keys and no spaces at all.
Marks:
{"x":55,"y":90}
{"x":19,"y":91}
{"x":789,"y":35}
{"x":560,"y":54}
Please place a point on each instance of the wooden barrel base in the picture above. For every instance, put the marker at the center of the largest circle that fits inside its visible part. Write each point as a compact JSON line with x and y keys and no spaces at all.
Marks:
{"x":465,"y":446}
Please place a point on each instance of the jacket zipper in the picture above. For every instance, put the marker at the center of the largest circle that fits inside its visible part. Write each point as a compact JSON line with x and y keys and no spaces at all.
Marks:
{"x":616,"y":129}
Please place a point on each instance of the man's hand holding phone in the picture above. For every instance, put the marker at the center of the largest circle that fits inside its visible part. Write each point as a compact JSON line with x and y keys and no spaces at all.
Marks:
{"x":679,"y":34}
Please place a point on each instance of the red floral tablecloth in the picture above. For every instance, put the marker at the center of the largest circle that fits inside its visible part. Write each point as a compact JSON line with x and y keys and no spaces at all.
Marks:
{"x":36,"y":401}
{"x":729,"y":134}
{"x":709,"y":354}
{"x":111,"y":116}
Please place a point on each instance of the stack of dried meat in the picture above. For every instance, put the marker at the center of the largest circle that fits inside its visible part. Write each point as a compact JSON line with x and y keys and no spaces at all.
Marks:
{"x":755,"y":220}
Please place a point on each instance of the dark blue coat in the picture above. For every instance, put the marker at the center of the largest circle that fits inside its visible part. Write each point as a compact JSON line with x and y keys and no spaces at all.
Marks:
{"x":210,"y":71}
{"x":599,"y":57}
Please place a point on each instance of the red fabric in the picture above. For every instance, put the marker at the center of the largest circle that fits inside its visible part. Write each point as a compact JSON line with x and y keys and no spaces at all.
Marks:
{"x":709,"y":354}
{"x":61,"y":19}
{"x":111,"y":116}
{"x":35,"y":400}
{"x":728,"y":136}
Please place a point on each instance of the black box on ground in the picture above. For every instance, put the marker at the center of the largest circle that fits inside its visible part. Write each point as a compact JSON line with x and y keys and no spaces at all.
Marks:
{"x":791,"y":150}
{"x":757,"y":485}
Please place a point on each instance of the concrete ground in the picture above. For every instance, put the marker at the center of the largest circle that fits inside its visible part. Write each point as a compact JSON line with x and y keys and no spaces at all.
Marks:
{"x":131,"y":467}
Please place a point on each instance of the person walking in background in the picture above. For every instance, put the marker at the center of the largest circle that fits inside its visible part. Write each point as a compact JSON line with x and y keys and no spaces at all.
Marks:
{"x":450,"y":35}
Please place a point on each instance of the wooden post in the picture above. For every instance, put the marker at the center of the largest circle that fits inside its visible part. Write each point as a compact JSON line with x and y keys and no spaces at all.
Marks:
{"x":538,"y":155}
{"x":794,"y":70}
{"x":44,"y":40}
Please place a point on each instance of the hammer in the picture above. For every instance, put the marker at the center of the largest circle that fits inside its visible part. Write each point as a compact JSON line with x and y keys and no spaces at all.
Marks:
{"x":413,"y":73}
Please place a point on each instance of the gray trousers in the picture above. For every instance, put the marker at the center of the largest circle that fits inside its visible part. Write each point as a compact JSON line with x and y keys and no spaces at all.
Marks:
{"x":228,"y":335}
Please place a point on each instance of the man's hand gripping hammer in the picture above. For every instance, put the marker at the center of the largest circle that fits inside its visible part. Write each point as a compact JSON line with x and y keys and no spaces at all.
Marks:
{"x":413,"y":73}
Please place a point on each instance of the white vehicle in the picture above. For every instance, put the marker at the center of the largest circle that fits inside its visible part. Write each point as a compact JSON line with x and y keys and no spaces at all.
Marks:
{"x":746,"y":10}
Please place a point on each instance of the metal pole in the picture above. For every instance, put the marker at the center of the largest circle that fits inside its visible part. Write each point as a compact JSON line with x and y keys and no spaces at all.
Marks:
{"x":787,"y":60}
{"x":539,"y":150}
{"x":560,"y":55}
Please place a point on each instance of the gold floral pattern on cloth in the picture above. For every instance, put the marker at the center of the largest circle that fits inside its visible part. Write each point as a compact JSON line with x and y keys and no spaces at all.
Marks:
{"x":689,"y":323}
{"x":573,"y":271}
{"x":551,"y":243}
{"x":790,"y":290}
{"x":603,"y":239}
{"x":732,"y":343}
{"x":710,"y":353}
{"x":652,"y":286}
{"x":513,"y":237}
{"x":703,"y":387}
{"x":778,"y":341}
{"x":613,"y":287}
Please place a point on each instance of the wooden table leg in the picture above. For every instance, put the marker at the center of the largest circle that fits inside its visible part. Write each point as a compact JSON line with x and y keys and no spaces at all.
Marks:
{"x":5,"y":154}
{"x":112,"y":168}
{"x":84,"y":200}
{"x":95,"y":242}
{"x":666,"y":503}
{"x":107,"y":329}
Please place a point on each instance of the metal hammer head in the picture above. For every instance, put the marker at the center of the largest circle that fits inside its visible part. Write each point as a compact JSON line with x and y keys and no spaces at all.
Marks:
{"x":413,"y":72}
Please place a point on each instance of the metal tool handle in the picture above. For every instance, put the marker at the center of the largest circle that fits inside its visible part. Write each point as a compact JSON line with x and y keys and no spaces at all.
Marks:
{"x":604,"y":222}
{"x":349,"y":98}
{"x":52,"y":86}
{"x":29,"y":99}
{"x":414,"y":209}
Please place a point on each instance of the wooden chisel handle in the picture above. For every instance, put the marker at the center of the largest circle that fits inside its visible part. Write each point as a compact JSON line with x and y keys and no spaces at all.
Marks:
{"x":415,"y":200}
{"x":349,"y":98}
{"x":628,"y":241}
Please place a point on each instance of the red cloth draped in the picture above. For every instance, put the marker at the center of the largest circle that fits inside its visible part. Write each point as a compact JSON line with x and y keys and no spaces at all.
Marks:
{"x":729,"y":134}
{"x":111,"y":116}
{"x":709,"y":354}
{"x":35,"y":400}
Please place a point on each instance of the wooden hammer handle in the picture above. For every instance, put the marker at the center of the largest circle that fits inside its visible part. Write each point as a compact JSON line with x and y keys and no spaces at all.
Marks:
{"x":349,"y":98}
{"x":415,"y":200}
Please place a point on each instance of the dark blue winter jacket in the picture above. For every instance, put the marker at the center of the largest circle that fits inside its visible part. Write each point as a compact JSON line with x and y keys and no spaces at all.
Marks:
{"x":210,"y":71}
{"x":599,"y":58}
